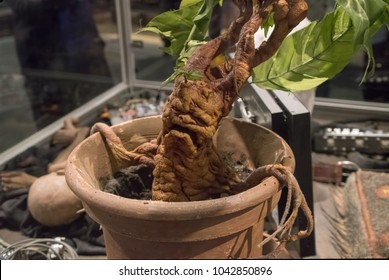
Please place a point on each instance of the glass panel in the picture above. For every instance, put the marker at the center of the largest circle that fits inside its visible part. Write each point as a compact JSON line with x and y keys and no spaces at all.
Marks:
{"x":55,"y":56}
{"x":151,"y":63}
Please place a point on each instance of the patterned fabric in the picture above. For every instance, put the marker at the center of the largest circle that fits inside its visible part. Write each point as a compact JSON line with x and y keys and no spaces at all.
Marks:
{"x":362,"y":227}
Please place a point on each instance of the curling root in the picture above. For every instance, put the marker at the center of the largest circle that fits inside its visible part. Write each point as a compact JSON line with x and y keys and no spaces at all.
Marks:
{"x":119,"y":156}
{"x":295,"y":201}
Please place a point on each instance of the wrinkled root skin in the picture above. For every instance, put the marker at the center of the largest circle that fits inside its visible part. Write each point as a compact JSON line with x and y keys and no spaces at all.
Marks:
{"x":187,"y":166}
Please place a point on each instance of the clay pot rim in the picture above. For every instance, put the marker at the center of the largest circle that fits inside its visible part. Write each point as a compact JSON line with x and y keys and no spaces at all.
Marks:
{"x":173,"y":211}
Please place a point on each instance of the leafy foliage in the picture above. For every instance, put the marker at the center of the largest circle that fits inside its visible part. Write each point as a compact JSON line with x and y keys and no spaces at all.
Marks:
{"x":185,"y":28}
{"x":318,"y":52}
{"x":306,"y":58}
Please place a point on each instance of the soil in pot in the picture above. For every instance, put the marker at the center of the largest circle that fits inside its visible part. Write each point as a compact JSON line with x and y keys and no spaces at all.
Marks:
{"x":136,"y":181}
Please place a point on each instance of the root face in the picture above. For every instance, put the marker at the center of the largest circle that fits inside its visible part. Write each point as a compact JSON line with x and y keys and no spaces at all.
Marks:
{"x":187,"y":166}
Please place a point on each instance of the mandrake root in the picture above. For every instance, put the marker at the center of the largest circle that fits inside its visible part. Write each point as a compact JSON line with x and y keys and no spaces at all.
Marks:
{"x":295,"y":201}
{"x":120,"y":157}
{"x":187,"y":166}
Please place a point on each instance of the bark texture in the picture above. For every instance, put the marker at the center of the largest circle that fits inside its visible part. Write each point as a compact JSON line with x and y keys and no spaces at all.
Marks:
{"x":187,"y":166}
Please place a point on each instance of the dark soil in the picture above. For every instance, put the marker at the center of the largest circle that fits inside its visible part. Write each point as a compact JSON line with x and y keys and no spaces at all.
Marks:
{"x":239,"y":166}
{"x":132,"y":182}
{"x":135,"y":181}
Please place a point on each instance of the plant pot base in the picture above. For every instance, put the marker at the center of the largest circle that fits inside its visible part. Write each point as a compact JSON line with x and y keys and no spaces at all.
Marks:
{"x":123,"y":248}
{"x":238,"y":245}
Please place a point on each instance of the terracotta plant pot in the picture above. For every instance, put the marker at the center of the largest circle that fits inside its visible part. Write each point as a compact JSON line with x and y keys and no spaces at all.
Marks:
{"x":230,"y":227}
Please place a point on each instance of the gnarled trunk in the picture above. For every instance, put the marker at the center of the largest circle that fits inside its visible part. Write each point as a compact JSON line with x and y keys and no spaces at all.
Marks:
{"x":187,"y":166}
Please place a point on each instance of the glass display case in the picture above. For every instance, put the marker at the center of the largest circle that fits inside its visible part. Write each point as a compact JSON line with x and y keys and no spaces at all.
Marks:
{"x":55,"y":59}
{"x":72,"y":57}
{"x":85,"y":59}
{"x":102,"y":68}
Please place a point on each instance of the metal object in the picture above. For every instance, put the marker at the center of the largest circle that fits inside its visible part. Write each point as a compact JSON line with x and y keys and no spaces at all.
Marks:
{"x":40,"y":248}
{"x":348,"y":167}
{"x":342,"y":140}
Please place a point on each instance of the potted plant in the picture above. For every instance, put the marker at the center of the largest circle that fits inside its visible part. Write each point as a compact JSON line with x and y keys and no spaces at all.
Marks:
{"x":202,"y":206}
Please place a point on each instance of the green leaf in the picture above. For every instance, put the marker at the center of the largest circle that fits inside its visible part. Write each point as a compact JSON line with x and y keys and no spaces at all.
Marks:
{"x":269,"y":22}
{"x":185,"y":28}
{"x":180,"y":63}
{"x":363,"y":14}
{"x":316,"y":53}
{"x":176,"y":26}
{"x":189,"y":23}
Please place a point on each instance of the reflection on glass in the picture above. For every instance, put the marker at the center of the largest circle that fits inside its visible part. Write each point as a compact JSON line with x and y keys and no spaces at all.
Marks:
{"x":56,"y":56}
